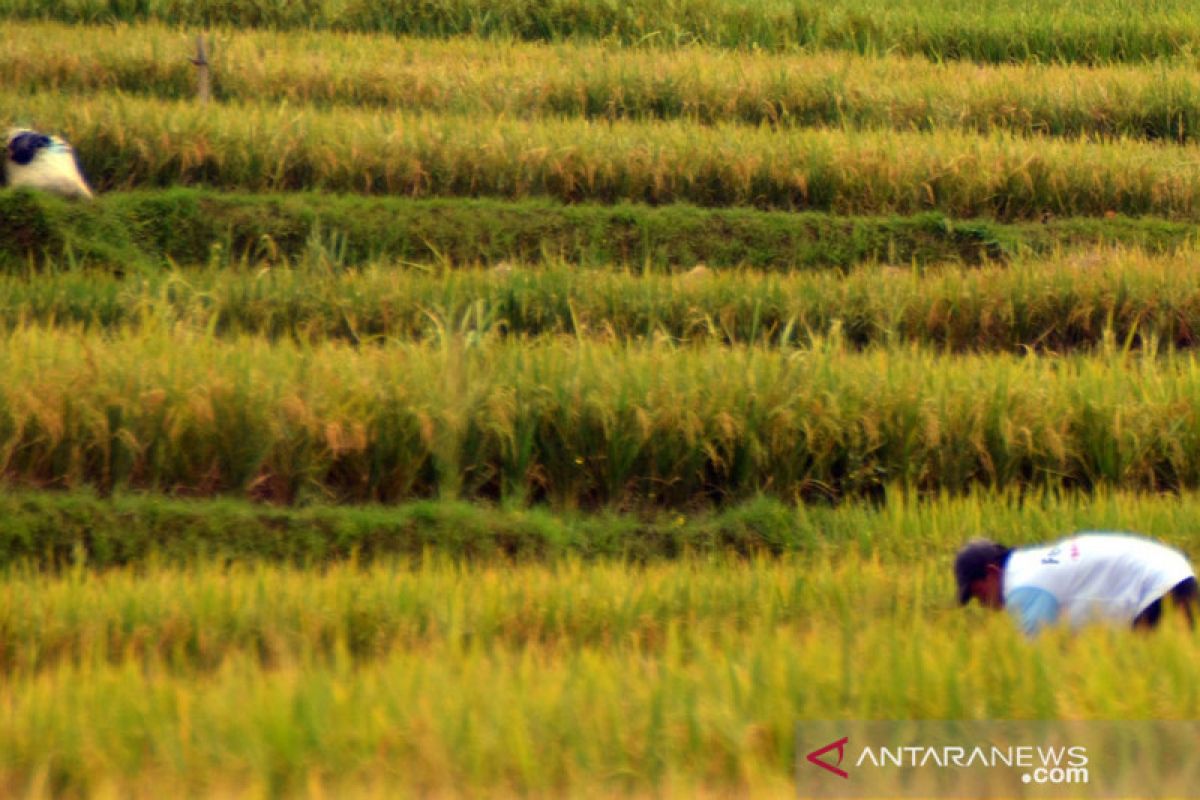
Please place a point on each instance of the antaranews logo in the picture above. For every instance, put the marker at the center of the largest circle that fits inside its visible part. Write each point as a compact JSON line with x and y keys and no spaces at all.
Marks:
{"x":1044,"y":764}
{"x":854,"y":759}
{"x":840,"y":745}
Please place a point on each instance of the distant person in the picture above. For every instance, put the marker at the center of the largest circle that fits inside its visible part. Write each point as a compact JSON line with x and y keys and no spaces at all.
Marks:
{"x":1089,"y":577}
{"x":38,"y":161}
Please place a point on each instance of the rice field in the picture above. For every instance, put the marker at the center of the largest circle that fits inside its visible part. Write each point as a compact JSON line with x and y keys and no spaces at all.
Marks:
{"x":259,"y":678}
{"x":1073,"y":302}
{"x":692,"y":675}
{"x":569,"y":398}
{"x":993,"y":31}
{"x":583,"y":423}
{"x":126,"y":142}
{"x":598,"y":81}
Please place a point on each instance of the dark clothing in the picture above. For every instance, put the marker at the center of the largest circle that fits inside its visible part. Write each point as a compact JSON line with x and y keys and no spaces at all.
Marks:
{"x":24,"y":146}
{"x":1185,"y":595}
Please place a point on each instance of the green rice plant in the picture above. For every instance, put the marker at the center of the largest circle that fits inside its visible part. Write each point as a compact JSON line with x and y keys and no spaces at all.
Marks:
{"x":1002,"y":31}
{"x":126,"y":142}
{"x":629,"y":424}
{"x":1058,"y":304}
{"x":526,"y":80}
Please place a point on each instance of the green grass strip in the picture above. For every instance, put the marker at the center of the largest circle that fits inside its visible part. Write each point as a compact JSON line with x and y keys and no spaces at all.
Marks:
{"x":60,"y":529}
{"x":81,"y":529}
{"x":149,"y":229}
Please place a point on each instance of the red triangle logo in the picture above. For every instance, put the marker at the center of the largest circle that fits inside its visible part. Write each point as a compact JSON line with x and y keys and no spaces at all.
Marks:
{"x":840,"y":745}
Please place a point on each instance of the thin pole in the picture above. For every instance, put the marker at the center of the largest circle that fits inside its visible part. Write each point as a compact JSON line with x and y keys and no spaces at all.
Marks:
{"x":201,"y":61}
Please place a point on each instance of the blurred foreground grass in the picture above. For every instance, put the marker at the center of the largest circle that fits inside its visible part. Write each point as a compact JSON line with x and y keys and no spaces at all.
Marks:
{"x":436,"y":677}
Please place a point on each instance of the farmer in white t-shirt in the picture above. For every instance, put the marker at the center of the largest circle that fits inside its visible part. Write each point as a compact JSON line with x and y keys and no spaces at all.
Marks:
{"x":1089,"y":577}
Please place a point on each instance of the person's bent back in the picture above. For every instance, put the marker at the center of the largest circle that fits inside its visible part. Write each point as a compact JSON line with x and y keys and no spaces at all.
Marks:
{"x":1089,"y":577}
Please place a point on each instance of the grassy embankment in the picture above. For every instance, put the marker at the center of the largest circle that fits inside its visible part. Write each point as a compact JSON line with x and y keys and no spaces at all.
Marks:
{"x":130,"y":232}
{"x":53,"y":531}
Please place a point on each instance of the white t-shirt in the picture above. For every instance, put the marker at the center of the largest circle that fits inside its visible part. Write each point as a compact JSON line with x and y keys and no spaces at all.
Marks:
{"x":1090,"y":577}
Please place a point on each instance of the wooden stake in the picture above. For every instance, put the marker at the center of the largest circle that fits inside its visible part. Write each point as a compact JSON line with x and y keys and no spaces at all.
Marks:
{"x":201,"y":62}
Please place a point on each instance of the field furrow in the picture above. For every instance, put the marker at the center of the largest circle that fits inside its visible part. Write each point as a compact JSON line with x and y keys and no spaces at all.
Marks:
{"x":145,"y":231}
{"x":57,"y":533}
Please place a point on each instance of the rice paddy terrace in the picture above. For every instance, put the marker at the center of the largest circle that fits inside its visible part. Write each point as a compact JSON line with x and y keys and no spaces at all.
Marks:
{"x":566,"y":398}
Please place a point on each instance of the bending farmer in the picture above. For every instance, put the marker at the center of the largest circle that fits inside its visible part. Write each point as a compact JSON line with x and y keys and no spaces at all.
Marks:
{"x":1090,"y":577}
